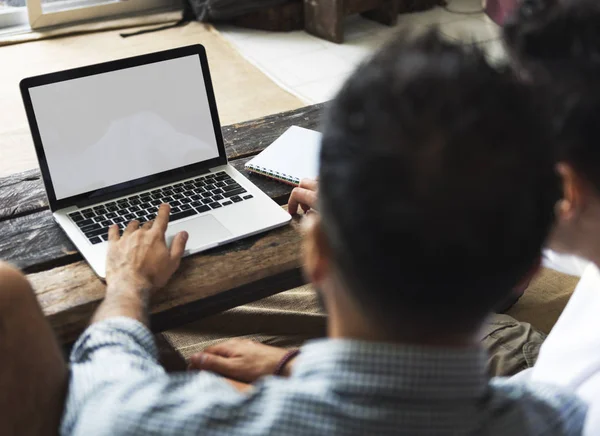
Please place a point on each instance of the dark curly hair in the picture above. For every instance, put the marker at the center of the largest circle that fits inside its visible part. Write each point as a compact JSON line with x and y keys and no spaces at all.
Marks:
{"x":555,"y":40}
{"x":557,"y":43}
{"x":436,"y":183}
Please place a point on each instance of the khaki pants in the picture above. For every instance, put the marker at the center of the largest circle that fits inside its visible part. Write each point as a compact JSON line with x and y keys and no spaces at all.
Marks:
{"x":512,"y":345}
{"x":290,"y":318}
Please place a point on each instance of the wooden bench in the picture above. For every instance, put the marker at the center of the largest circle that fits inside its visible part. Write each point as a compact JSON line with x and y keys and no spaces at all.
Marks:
{"x":206,"y":283}
{"x":322,"y":18}
{"x":325,"y":18}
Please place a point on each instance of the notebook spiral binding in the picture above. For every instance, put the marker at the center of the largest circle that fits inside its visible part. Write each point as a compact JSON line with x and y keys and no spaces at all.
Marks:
{"x":280,"y":177}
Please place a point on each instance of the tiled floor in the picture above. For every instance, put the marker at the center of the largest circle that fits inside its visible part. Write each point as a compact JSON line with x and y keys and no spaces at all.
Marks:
{"x":314,"y":69}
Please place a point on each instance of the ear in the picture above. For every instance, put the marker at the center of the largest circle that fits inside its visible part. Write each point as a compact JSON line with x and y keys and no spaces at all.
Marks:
{"x":573,"y":200}
{"x":315,"y":250}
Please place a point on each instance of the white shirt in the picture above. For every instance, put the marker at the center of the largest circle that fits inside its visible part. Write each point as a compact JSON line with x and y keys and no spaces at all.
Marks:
{"x":570,"y":356}
{"x":565,"y":263}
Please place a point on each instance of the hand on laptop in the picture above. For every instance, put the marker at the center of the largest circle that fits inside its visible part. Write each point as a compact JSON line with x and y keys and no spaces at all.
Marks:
{"x":138,"y":263}
{"x":241,"y":359}
{"x":141,"y":255}
{"x":304,"y":196}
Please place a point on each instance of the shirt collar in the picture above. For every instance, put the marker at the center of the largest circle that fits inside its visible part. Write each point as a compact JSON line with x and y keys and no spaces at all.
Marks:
{"x":396,"y":369}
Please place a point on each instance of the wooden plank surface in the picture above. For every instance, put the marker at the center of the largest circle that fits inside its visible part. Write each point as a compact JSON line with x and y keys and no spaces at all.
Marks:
{"x":270,"y":263}
{"x":251,"y":137}
{"x":24,"y":192}
{"x":34,"y":242}
{"x":21,"y":193}
{"x":207,"y":283}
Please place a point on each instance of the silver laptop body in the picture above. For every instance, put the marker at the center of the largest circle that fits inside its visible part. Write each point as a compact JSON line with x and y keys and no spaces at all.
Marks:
{"x":115,"y":140}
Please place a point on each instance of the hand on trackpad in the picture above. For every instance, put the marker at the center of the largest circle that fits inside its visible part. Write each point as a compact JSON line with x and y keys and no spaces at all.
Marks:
{"x":203,"y":231}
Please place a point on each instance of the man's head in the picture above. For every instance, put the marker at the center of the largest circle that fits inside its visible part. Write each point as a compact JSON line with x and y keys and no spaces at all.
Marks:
{"x":436,"y":188}
{"x":557,"y":44}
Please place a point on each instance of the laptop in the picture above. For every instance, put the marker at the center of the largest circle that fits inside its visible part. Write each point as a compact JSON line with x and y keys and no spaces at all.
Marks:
{"x":115,"y":140}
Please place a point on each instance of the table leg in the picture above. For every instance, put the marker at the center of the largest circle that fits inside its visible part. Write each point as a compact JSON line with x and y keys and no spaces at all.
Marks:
{"x":325,"y":19}
{"x":386,"y":14}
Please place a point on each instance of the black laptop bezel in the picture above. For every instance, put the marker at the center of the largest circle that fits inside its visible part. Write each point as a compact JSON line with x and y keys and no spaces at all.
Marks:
{"x":140,"y":184}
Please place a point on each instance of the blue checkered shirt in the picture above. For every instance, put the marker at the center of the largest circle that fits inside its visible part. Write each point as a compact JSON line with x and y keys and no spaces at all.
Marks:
{"x":338,"y":387}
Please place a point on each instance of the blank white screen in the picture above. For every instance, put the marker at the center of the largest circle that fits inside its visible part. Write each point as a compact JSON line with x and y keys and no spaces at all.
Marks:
{"x":110,"y":128}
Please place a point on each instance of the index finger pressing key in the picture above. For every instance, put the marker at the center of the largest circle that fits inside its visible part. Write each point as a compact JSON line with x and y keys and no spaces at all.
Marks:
{"x":162,"y":218}
{"x":113,"y":232}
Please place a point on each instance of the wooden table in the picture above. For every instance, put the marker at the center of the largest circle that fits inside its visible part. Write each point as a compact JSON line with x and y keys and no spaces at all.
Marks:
{"x":206,"y":283}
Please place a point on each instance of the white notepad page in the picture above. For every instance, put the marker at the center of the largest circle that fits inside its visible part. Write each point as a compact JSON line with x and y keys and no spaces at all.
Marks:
{"x":293,"y":156}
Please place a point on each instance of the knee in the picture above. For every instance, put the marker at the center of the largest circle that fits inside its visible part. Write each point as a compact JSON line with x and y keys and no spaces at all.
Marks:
{"x":15,"y":289}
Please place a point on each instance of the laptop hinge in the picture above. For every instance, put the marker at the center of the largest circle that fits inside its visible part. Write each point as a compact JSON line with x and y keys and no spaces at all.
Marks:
{"x":107,"y":194}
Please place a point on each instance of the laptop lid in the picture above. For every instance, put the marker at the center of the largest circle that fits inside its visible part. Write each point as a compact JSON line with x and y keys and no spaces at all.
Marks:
{"x":107,"y":130}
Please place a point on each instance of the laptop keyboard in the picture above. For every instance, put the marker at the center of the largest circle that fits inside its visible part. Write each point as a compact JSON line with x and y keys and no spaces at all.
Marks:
{"x":188,"y":198}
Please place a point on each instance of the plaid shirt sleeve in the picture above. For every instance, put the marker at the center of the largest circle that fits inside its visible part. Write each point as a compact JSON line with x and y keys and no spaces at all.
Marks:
{"x":118,"y":387}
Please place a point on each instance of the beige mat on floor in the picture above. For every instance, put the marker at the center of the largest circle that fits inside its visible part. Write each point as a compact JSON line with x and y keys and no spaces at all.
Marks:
{"x":242,"y":91}
{"x":290,"y":318}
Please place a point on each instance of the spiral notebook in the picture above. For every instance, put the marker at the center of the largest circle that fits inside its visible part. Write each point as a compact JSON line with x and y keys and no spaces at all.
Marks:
{"x":291,"y":158}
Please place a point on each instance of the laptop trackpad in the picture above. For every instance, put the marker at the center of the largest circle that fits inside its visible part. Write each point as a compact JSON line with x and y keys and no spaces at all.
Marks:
{"x":204,"y":230}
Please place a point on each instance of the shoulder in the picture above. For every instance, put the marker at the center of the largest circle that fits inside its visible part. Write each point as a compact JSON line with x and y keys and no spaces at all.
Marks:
{"x":14,"y":288}
{"x":11,"y":276}
{"x":539,"y":405}
{"x":591,"y":274}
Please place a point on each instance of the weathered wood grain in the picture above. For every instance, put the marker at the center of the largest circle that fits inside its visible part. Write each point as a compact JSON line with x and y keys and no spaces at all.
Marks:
{"x":251,"y":137}
{"x":34,"y":242}
{"x":21,"y":193}
{"x":24,"y":193}
{"x":205,"y":284}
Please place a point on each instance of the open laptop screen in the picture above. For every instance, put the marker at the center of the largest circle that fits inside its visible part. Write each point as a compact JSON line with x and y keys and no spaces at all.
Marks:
{"x":102,"y":130}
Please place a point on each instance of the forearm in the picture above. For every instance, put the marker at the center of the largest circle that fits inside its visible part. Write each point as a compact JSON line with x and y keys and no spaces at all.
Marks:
{"x":106,"y":356}
{"x":116,"y":379}
{"x":127,"y":299}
